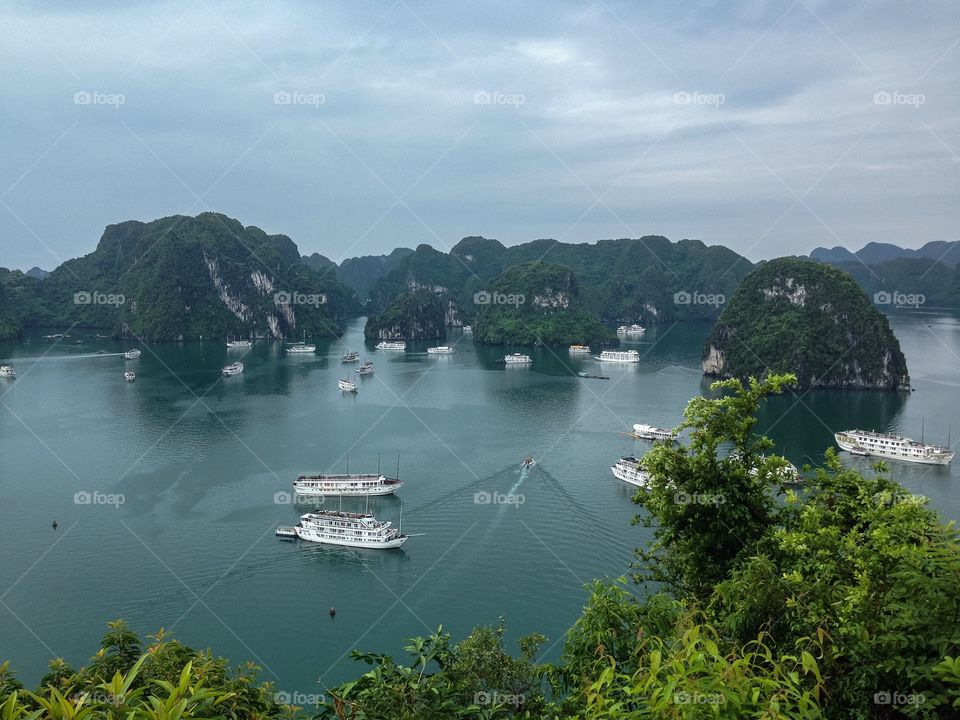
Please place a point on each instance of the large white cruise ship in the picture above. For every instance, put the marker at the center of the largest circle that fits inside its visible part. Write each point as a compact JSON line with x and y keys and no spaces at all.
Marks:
{"x":360,"y":530}
{"x":621,"y":356}
{"x":895,"y":447}
{"x":345,"y":484}
{"x":391,"y":345}
{"x":627,"y":470}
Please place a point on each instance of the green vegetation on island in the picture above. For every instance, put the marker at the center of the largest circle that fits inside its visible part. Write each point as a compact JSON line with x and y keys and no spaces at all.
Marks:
{"x":809,"y":319}
{"x":182,"y":278}
{"x":756,"y":601}
{"x":416,"y":315}
{"x":536,"y":302}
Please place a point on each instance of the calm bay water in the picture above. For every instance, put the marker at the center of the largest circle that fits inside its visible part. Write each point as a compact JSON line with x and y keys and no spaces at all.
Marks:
{"x":199,"y":461}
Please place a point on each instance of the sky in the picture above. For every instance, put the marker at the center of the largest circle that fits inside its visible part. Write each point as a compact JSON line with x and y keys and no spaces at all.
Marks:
{"x":769,"y":127}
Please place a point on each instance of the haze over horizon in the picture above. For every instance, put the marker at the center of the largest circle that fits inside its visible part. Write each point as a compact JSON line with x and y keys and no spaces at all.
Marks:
{"x":770,"y":128}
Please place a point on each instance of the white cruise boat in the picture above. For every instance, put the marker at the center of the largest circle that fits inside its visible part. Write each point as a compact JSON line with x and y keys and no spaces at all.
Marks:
{"x":365,"y":369}
{"x":131,"y":354}
{"x":517,"y":359}
{"x":618,"y":356}
{"x":237,"y":344}
{"x":627,"y":470}
{"x":347,"y":385}
{"x":129,"y":376}
{"x":7,"y":371}
{"x":233,"y":369}
{"x":440,"y":350}
{"x":631,"y":330}
{"x":894,"y":447}
{"x":361,"y":530}
{"x":345,"y":484}
{"x":392,"y":345}
{"x":579,"y":350}
{"x":649,"y":432}
{"x":467,"y":329}
{"x":351,"y":356}
{"x":301,"y":347}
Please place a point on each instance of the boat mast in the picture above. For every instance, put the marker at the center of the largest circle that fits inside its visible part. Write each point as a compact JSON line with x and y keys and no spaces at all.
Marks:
{"x":922,"y":423}
{"x":398,"y":466}
{"x":400,"y":529}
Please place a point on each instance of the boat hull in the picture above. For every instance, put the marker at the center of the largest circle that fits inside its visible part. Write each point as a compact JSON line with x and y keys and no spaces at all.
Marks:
{"x":353,"y":492}
{"x":632,"y":480}
{"x":849,"y":444}
{"x":309,"y":536}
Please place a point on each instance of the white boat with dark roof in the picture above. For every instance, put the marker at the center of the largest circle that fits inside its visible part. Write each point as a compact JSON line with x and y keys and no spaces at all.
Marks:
{"x":579,"y":349}
{"x":365,"y":369}
{"x":233,"y":369}
{"x":628,"y":469}
{"x":893,"y":447}
{"x":7,"y":371}
{"x":392,"y":345}
{"x":440,"y":350}
{"x":347,"y":385}
{"x":359,"y":530}
{"x":351,"y":356}
{"x":618,"y":356}
{"x":517,"y":359}
{"x":301,"y":347}
{"x":631,"y":330}
{"x":129,"y":376}
{"x":346,"y":484}
{"x":643,"y":431}
{"x":131,"y":354}
{"x":239,"y":344}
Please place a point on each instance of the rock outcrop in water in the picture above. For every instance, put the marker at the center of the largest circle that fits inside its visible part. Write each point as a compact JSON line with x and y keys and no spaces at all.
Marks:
{"x":418,"y":315}
{"x":810,"y":319}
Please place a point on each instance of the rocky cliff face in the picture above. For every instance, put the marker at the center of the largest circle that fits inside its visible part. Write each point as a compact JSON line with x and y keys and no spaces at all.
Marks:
{"x":810,"y":319}
{"x":419,"y":315}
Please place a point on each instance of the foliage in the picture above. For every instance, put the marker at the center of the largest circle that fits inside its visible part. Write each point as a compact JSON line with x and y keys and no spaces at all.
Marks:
{"x":806,"y":318}
{"x":536,"y":302}
{"x":416,"y":315}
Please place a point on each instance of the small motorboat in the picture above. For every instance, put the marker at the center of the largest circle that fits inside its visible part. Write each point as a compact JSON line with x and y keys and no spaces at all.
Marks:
{"x":350,"y":357}
{"x":528,"y":462}
{"x":131,"y":355}
{"x":365,"y":369}
{"x":287,"y":533}
{"x":7,"y":371}
{"x":233,"y":369}
{"x":129,"y":376}
{"x":859,"y":452}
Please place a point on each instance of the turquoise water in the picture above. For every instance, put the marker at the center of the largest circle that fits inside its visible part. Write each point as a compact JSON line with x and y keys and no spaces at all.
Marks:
{"x":199,"y":460}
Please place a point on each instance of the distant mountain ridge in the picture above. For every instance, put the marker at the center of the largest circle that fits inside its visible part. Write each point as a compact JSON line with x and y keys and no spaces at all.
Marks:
{"x":874,"y":253}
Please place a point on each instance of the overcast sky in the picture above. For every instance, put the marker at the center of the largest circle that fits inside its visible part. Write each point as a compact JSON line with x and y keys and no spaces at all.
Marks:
{"x":771,"y":128}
